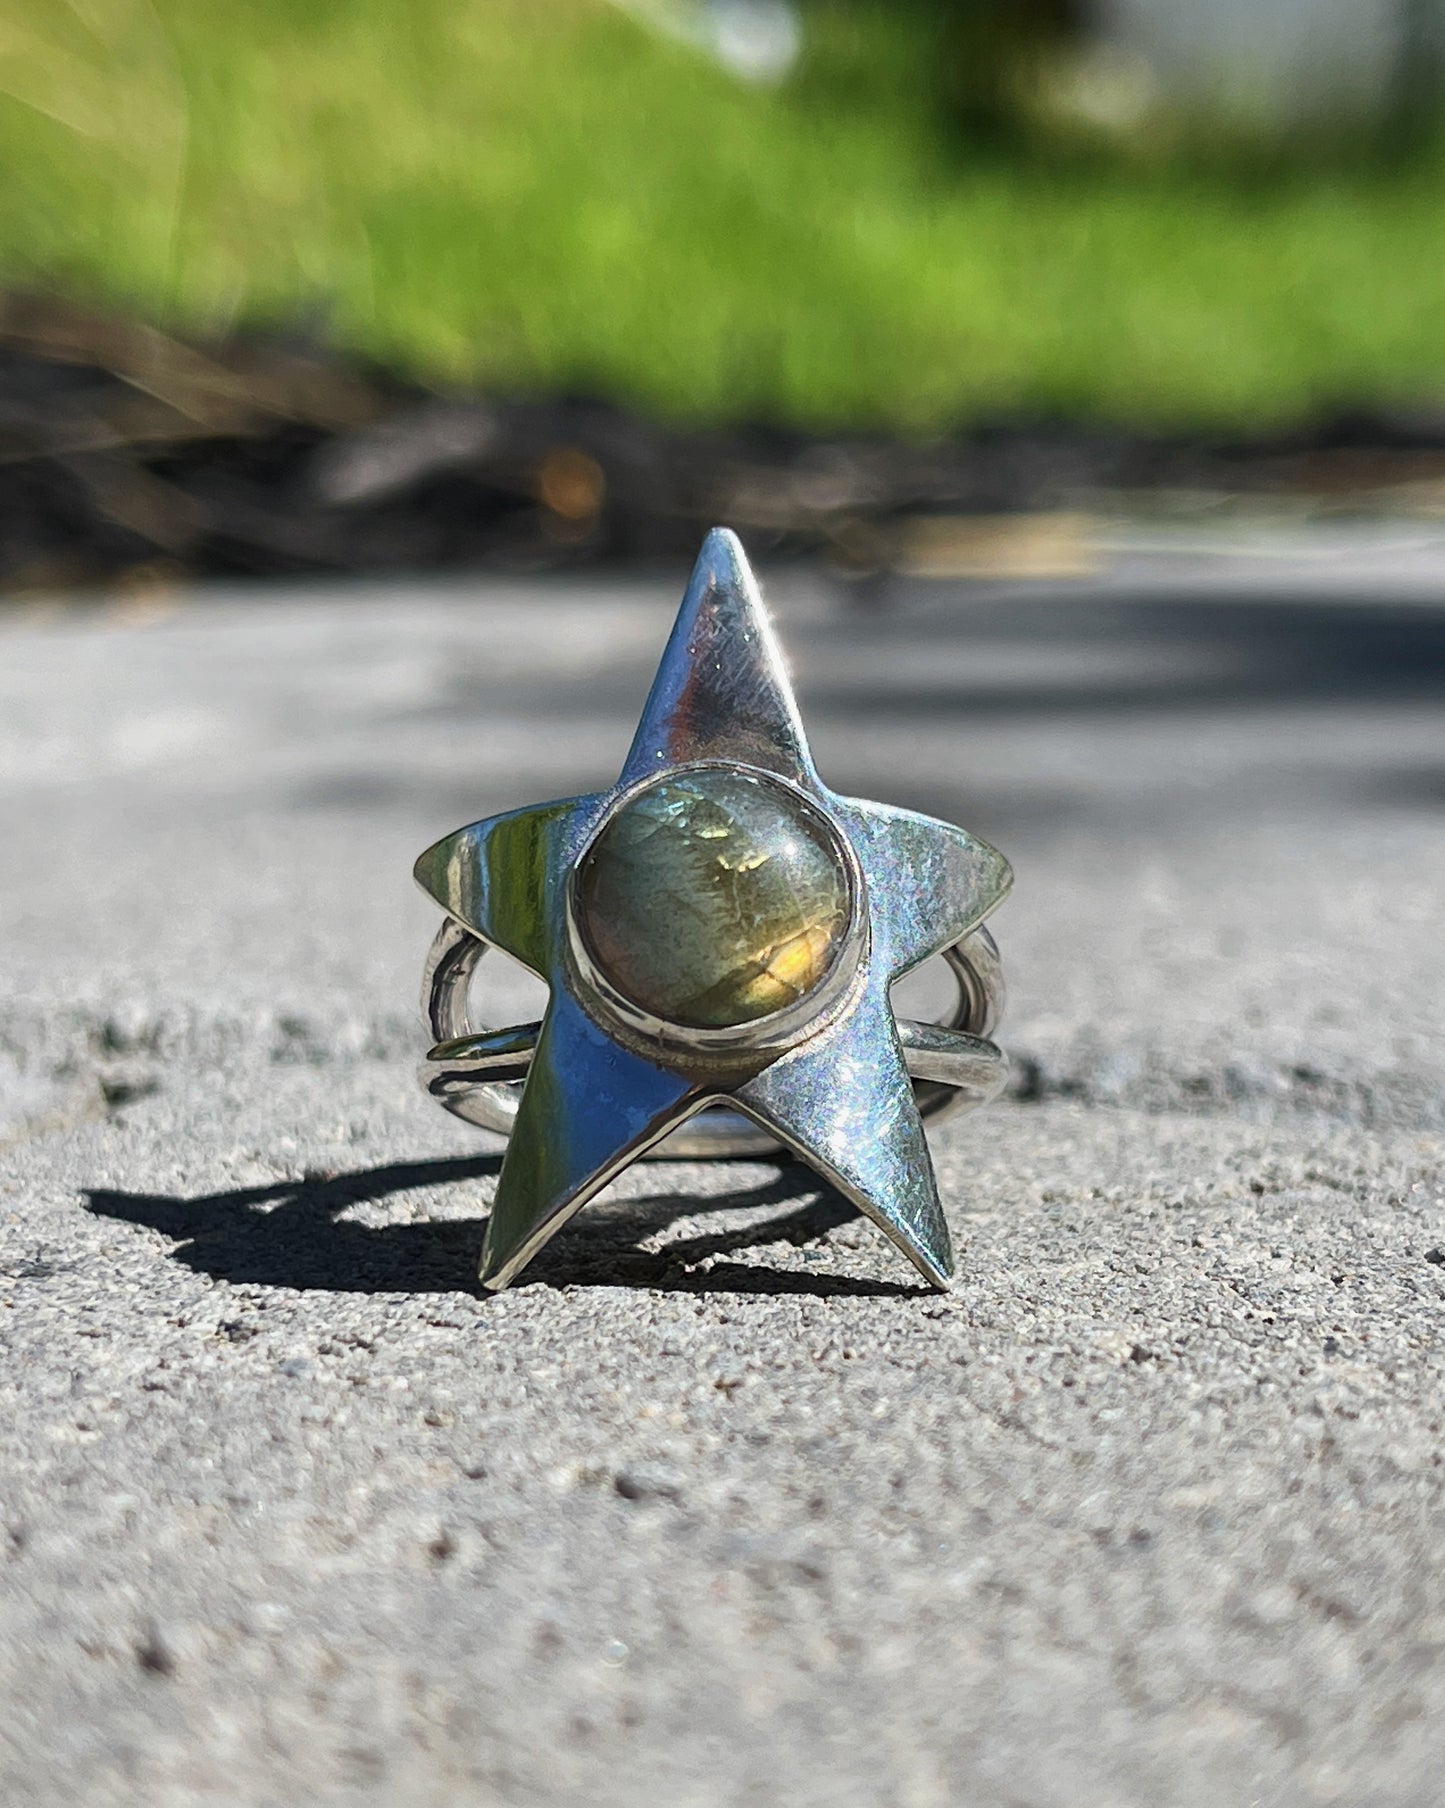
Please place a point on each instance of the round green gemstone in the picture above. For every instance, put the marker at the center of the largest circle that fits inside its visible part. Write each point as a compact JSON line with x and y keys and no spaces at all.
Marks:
{"x":714,"y":898}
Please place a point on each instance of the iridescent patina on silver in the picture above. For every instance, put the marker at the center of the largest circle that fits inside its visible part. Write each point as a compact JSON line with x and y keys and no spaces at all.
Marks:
{"x":718,"y":933}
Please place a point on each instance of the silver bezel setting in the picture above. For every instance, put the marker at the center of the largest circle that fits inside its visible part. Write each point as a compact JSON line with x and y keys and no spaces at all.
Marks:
{"x":769,"y":1034}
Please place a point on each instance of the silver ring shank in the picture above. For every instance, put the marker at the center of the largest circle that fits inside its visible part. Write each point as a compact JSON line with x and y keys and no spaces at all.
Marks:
{"x":477,"y":1073}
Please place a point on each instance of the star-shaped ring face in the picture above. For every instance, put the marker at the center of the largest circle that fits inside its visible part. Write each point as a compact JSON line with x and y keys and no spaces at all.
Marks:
{"x":718,"y":927}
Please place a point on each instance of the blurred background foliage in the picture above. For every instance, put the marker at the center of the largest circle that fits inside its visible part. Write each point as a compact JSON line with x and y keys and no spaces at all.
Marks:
{"x":929,"y":217}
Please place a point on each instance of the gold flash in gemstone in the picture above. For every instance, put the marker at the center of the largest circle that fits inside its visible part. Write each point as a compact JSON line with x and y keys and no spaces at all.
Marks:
{"x":714,"y":898}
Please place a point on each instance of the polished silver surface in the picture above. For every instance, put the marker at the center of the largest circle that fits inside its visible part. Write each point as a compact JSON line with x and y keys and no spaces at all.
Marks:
{"x":831,"y":1076}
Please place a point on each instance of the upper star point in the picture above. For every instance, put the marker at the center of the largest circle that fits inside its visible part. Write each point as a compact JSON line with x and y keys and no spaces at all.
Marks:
{"x":722,"y":690}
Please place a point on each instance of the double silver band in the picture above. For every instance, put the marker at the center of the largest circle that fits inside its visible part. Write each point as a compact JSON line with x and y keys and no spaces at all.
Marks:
{"x":476,"y":1073}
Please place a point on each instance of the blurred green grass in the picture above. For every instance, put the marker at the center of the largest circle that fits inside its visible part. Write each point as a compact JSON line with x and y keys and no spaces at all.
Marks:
{"x":545,"y":196}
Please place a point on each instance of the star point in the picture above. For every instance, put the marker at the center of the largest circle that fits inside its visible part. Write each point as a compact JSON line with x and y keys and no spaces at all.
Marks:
{"x":722,"y":689}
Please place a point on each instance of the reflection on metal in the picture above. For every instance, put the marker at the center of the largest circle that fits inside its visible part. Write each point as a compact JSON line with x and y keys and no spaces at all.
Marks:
{"x":830,"y":1074}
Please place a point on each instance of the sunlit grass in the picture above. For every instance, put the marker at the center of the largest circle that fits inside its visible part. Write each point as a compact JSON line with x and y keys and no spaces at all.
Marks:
{"x":536,"y":193}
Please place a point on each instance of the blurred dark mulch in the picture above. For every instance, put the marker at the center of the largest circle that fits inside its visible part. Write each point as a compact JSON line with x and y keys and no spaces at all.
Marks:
{"x":127,"y":455}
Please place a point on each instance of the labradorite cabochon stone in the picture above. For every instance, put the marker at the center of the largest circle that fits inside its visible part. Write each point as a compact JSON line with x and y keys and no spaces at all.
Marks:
{"x":713,"y":898}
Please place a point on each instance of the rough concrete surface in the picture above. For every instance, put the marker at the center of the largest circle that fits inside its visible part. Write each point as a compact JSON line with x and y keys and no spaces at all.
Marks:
{"x":717,"y":1506}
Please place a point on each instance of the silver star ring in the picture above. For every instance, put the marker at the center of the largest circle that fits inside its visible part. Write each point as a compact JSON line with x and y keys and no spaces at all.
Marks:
{"x":718,"y":932}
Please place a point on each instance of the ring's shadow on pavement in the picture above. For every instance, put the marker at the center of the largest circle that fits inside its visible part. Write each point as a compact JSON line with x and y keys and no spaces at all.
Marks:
{"x":292,"y":1234}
